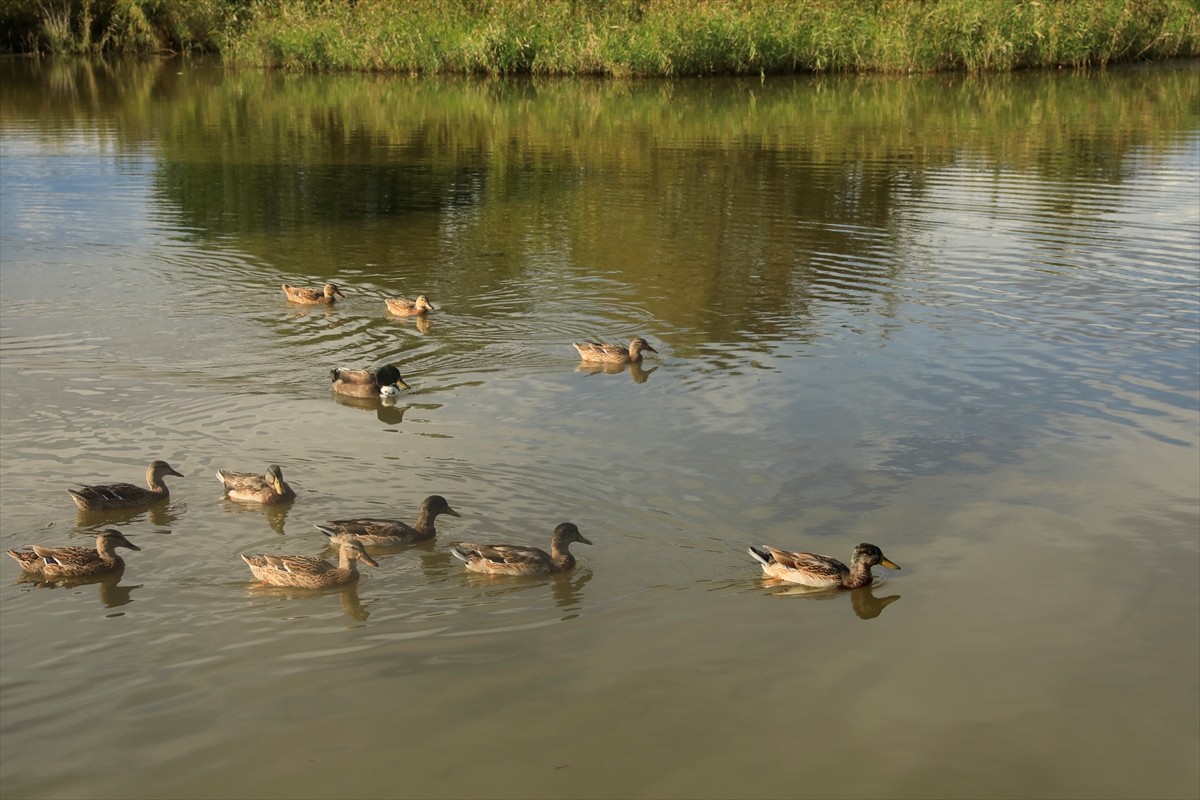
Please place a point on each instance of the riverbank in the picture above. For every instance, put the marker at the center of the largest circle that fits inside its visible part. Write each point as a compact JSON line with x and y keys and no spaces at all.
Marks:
{"x":622,"y":37}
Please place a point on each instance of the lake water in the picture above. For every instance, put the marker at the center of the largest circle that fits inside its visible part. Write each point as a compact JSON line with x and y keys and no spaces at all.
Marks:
{"x":955,"y":317}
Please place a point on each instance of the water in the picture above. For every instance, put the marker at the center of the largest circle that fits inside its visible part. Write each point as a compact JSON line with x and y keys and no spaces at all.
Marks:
{"x":957,"y":318}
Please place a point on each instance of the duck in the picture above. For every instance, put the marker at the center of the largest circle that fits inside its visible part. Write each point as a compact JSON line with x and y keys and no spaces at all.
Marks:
{"x":386,"y":532}
{"x":327,"y":295}
{"x":383,"y":382}
{"x":613,"y":353}
{"x":75,"y":562}
{"x":408,"y":308}
{"x":250,"y":487}
{"x":109,"y":496}
{"x":810,"y":569}
{"x":508,"y":559}
{"x":310,"y":572}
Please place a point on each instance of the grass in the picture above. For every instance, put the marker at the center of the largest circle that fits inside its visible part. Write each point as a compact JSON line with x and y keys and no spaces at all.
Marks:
{"x":629,"y":37}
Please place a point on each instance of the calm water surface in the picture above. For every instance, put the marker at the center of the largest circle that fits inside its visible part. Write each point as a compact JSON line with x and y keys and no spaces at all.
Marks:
{"x":953,"y":317}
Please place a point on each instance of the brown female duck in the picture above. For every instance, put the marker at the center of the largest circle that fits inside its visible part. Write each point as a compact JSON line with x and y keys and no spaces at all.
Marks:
{"x":109,"y":496}
{"x":810,"y":569}
{"x":409,"y":308}
{"x":383,"y":382}
{"x":327,"y":295}
{"x":507,"y":559}
{"x":385,"y":532}
{"x":309,"y":572}
{"x":613,"y":353}
{"x":75,"y":562}
{"x":250,"y":487}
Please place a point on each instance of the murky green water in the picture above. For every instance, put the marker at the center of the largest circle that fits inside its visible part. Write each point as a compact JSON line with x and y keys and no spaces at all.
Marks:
{"x":954,"y":317}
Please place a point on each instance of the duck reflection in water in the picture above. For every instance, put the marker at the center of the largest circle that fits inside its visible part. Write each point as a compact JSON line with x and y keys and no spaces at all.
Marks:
{"x":634,"y":368}
{"x":276,"y":514}
{"x":112,"y":594}
{"x":566,"y":588}
{"x":386,"y":408}
{"x":347,"y":594}
{"x":163,"y":515}
{"x":864,"y":602}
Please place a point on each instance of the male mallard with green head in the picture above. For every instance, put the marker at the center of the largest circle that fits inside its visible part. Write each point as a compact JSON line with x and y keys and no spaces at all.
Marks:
{"x":383,"y":382}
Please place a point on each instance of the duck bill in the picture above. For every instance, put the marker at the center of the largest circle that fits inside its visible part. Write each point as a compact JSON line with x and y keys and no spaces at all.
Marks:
{"x":338,"y":292}
{"x":452,"y":512}
{"x":400,"y":382}
{"x":584,"y":540}
{"x":889,"y":564}
{"x":367,"y":559}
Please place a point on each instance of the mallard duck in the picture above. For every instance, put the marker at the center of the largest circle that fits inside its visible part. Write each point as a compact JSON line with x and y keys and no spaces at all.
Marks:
{"x":409,"y":308}
{"x":327,"y":295}
{"x":249,"y":487}
{"x":309,"y":572}
{"x":108,"y":496}
{"x":508,"y":559}
{"x":390,"y":531}
{"x":613,"y":353}
{"x":75,"y":562}
{"x":811,"y":569}
{"x":383,"y":382}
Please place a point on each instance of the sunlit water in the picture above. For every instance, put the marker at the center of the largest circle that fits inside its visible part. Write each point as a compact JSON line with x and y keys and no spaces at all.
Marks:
{"x":956,"y":318}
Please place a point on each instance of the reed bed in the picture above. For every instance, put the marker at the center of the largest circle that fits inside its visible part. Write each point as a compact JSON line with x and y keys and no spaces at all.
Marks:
{"x":624,"y":37}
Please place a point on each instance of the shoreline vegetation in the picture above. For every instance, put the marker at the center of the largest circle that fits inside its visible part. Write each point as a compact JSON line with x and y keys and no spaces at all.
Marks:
{"x":620,"y":38}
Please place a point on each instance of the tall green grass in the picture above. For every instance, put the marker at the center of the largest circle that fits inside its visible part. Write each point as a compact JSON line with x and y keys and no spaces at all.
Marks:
{"x":103,"y":26}
{"x":631,"y":37}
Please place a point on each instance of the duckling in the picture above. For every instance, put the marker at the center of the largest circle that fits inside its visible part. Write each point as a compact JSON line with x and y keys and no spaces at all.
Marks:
{"x":109,"y":496}
{"x":409,"y":308}
{"x":383,"y":382}
{"x":327,"y":295}
{"x":75,"y":562}
{"x":390,"y":531}
{"x":507,"y":559}
{"x":613,"y":353}
{"x":250,"y":487}
{"x":309,"y":572}
{"x":811,"y":569}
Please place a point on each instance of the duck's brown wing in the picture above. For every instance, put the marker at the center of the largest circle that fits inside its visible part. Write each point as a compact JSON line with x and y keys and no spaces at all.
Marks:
{"x":809,"y":563}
